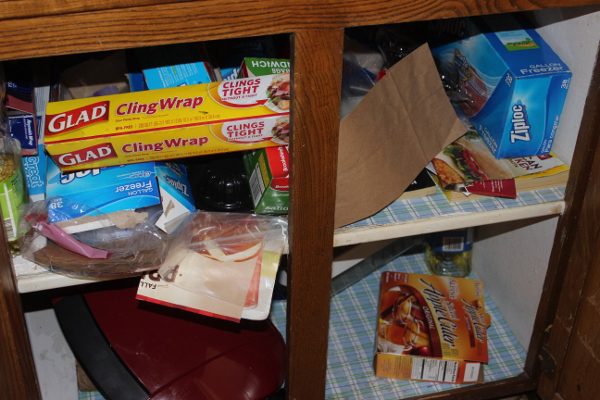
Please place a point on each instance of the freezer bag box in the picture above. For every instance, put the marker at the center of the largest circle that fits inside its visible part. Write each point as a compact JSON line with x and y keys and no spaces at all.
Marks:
{"x":510,"y":85}
{"x":186,"y":121}
{"x":175,"y":194}
{"x":269,"y":176}
{"x":431,"y":328}
{"x":99,"y":191}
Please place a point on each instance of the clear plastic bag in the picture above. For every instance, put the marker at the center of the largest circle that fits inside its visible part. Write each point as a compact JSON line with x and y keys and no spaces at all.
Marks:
{"x":124,"y":243}
{"x":360,"y":68}
{"x":223,"y":261}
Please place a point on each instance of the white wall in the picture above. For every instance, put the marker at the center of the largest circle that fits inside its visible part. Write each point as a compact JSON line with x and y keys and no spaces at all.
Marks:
{"x":512,"y":260}
{"x":54,"y":361}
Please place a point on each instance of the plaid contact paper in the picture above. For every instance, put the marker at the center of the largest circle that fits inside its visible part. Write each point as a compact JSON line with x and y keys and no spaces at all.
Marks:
{"x":436,"y":205}
{"x":352,"y":342}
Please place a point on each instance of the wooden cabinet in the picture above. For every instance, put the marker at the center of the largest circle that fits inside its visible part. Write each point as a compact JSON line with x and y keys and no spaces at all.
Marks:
{"x":32,"y":29}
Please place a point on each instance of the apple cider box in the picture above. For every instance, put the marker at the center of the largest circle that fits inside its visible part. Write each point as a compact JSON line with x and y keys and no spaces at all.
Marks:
{"x":431,"y":328}
{"x":186,"y":121}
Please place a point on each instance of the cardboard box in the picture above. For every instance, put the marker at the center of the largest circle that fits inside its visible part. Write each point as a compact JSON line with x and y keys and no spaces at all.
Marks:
{"x":268,"y":169}
{"x":100,"y":191}
{"x":187,"y":121}
{"x":175,"y":194}
{"x":257,"y":66}
{"x":431,"y":328}
{"x":21,"y":114}
{"x":268,"y":172}
{"x":22,"y":128}
{"x":34,"y":168}
{"x":510,"y":85}
{"x":172,"y":66}
{"x":96,"y":76}
{"x":178,"y":75}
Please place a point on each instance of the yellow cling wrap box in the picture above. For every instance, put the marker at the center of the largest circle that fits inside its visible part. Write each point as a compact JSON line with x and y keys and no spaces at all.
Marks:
{"x":431,"y":328}
{"x":180,"y":122}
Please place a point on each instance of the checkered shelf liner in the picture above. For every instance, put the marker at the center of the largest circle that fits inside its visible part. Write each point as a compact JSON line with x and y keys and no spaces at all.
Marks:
{"x":90,"y":396}
{"x":350,"y":372}
{"x":352,"y":335}
{"x":437,"y":205}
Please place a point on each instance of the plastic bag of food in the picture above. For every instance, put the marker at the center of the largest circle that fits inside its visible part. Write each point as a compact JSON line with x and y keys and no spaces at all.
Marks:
{"x":221,"y":264}
{"x":115,"y":244}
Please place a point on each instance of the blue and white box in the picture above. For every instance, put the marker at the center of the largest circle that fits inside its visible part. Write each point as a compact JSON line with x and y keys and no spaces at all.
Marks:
{"x":35,"y":173}
{"x":177,"y":75}
{"x":100,"y":191}
{"x":176,"y":195}
{"x":22,"y":128}
{"x":511,"y":86}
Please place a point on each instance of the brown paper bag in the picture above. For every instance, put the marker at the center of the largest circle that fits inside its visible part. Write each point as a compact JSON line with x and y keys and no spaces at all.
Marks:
{"x":400,"y":125}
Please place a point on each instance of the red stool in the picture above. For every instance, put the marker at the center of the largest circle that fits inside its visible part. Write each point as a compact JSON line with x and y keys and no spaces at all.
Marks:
{"x":136,"y":350}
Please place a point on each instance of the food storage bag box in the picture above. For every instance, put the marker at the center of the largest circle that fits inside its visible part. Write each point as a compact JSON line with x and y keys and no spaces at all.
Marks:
{"x":268,"y":172}
{"x":511,"y":86}
{"x":257,"y":66}
{"x":175,"y":194}
{"x":100,"y":191}
{"x":186,"y":121}
{"x":431,"y":328}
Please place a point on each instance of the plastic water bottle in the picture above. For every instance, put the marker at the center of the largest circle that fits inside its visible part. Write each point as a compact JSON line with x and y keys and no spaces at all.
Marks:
{"x":449,"y":253}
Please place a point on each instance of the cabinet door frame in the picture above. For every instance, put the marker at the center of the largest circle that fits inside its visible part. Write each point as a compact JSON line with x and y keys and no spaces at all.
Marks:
{"x":18,"y":378}
{"x":575,"y":249}
{"x":17,"y":372}
{"x":317,"y":81}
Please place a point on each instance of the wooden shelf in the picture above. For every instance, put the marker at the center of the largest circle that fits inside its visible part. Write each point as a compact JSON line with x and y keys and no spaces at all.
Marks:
{"x":34,"y":278}
{"x":402,"y":218}
{"x":349,"y":236}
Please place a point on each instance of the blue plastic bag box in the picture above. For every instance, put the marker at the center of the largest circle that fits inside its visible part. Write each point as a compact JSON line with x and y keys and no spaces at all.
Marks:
{"x":100,"y":191}
{"x":510,"y":86}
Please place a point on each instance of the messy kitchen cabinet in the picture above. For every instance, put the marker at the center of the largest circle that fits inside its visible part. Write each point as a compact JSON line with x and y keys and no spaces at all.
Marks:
{"x":525,"y":284}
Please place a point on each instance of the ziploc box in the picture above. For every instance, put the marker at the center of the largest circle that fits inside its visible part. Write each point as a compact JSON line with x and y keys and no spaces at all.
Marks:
{"x":268,"y":171}
{"x":511,"y":87}
{"x":431,"y":328}
{"x":175,"y":193}
{"x":186,"y":121}
{"x":100,"y":191}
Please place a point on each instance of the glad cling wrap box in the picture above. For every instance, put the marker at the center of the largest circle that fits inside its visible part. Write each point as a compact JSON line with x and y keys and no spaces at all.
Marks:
{"x":431,"y":328}
{"x":180,"y":122}
{"x":510,"y":86}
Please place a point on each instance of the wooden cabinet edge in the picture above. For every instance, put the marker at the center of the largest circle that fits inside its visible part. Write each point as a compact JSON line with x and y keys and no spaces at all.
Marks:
{"x":18,"y":377}
{"x":316,"y":79}
{"x":153,"y":24}
{"x":572,"y":251}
